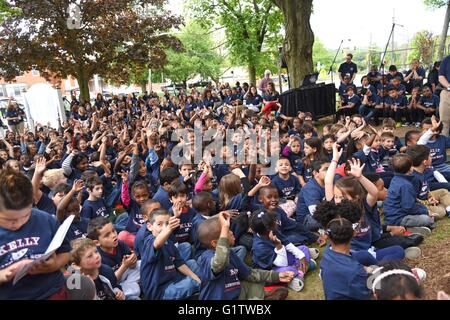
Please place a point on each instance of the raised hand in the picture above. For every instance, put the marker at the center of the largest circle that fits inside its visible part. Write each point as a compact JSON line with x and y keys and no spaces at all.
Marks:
{"x":356,"y":168}
{"x":224,"y":219}
{"x":78,"y":185}
{"x":40,"y":166}
{"x":274,"y":239}
{"x":173,"y":223}
{"x":125,"y":176}
{"x":264,"y":181}
{"x":435,"y":124}
{"x":337,"y":151}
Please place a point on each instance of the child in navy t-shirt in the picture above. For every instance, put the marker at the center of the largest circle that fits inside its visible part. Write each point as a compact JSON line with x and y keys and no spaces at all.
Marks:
{"x":95,"y":205}
{"x":25,"y":234}
{"x":117,"y":255}
{"x":147,"y":208}
{"x":223,"y":274}
{"x":88,"y":260}
{"x":164,"y":275}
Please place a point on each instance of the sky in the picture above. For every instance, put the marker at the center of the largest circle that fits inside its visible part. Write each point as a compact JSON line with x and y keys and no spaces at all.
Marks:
{"x":333,"y":20}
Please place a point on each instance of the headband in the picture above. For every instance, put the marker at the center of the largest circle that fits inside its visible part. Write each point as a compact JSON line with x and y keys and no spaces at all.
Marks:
{"x":390,"y":273}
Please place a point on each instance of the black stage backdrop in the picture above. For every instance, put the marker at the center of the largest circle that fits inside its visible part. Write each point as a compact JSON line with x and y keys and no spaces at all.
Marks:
{"x":320,"y":100}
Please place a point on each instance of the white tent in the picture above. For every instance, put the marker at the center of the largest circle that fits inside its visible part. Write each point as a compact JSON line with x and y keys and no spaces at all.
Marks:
{"x":44,"y":105}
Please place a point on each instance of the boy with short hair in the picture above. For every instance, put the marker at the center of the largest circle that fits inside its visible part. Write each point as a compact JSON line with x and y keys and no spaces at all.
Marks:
{"x":178,"y":194}
{"x":349,"y":104}
{"x":164,"y":275}
{"x":400,"y":206}
{"x":166,"y":178}
{"x":399,"y":107}
{"x":224,"y":276}
{"x":203,"y":202}
{"x":389,"y":126}
{"x":95,"y":205}
{"x":437,"y":201}
{"x":117,"y":255}
{"x":147,"y":208}
{"x":387,"y":150}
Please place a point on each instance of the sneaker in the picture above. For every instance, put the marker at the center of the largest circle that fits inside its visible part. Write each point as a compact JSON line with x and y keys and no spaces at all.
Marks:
{"x":413,"y":253}
{"x":314,"y":253}
{"x":420,"y":274}
{"x":424,"y":231}
{"x":276,"y":293}
{"x":297,"y":284}
{"x":406,"y":124}
{"x":417,"y":124}
{"x":398,"y":125}
{"x":312,"y":265}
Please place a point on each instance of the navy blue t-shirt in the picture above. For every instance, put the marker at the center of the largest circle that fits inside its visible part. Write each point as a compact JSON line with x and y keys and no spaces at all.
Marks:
{"x":225,"y":285}
{"x":162,"y":196}
{"x":158,"y":267}
{"x":287,"y":189}
{"x":139,"y":240}
{"x":444,"y":69}
{"x":198,"y":247}
{"x":31,"y":242}
{"x":348,"y":69}
{"x":438,"y":150}
{"x":94,"y":209}
{"x":429,"y":102}
{"x":363,"y":239}
{"x":399,"y":102}
{"x":115,"y":260}
{"x":135,"y":220}
{"x":263,"y":253}
{"x":311,"y":194}
{"x":78,"y":229}
{"x":46,"y":204}
{"x":343,"y":277}
{"x":183,"y":232}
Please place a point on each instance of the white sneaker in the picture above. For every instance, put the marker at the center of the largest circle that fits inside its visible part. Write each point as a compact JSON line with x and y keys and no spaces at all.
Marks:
{"x":420,"y":274}
{"x":413,"y":253}
{"x":314,"y":253}
{"x":424,"y":231}
{"x":417,"y":124}
{"x":297,"y":284}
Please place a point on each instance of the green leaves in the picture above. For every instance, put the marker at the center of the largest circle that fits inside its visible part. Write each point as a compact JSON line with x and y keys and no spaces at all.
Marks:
{"x":435,"y":3}
{"x":197,"y":58}
{"x":252,"y":28}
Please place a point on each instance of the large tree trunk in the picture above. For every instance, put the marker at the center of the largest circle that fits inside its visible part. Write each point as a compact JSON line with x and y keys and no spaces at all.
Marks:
{"x":444,"y":33}
{"x":299,"y":38}
{"x":252,"y":74}
{"x":83,"y":84}
{"x":143,"y":86}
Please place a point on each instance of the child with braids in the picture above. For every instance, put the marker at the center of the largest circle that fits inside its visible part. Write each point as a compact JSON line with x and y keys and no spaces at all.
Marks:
{"x":270,"y":254}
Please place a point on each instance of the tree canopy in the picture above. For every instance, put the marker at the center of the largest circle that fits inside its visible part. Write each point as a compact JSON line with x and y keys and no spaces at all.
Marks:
{"x":103,"y":37}
{"x":197,"y":58}
{"x":252,"y":29}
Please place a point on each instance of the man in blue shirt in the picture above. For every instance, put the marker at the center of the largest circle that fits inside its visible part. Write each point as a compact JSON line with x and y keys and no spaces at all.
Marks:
{"x":348,"y":68}
{"x":444,"y":106}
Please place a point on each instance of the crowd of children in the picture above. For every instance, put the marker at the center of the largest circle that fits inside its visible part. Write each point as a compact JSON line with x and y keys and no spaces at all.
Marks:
{"x":147,"y":227}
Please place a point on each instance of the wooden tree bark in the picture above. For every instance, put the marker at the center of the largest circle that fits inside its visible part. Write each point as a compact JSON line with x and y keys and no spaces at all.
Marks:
{"x":299,"y":38}
{"x":252,"y":74}
{"x":444,"y":34}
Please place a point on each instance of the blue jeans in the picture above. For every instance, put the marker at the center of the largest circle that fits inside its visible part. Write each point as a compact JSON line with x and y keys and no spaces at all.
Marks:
{"x":185,"y":287}
{"x":386,"y":254}
{"x":367,"y":112}
{"x":310,"y":223}
{"x":121,"y":222}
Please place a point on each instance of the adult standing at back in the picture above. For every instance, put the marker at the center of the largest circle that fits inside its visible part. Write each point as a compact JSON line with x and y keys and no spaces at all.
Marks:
{"x":444,"y":106}
{"x":348,"y":68}
{"x":264,"y":82}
